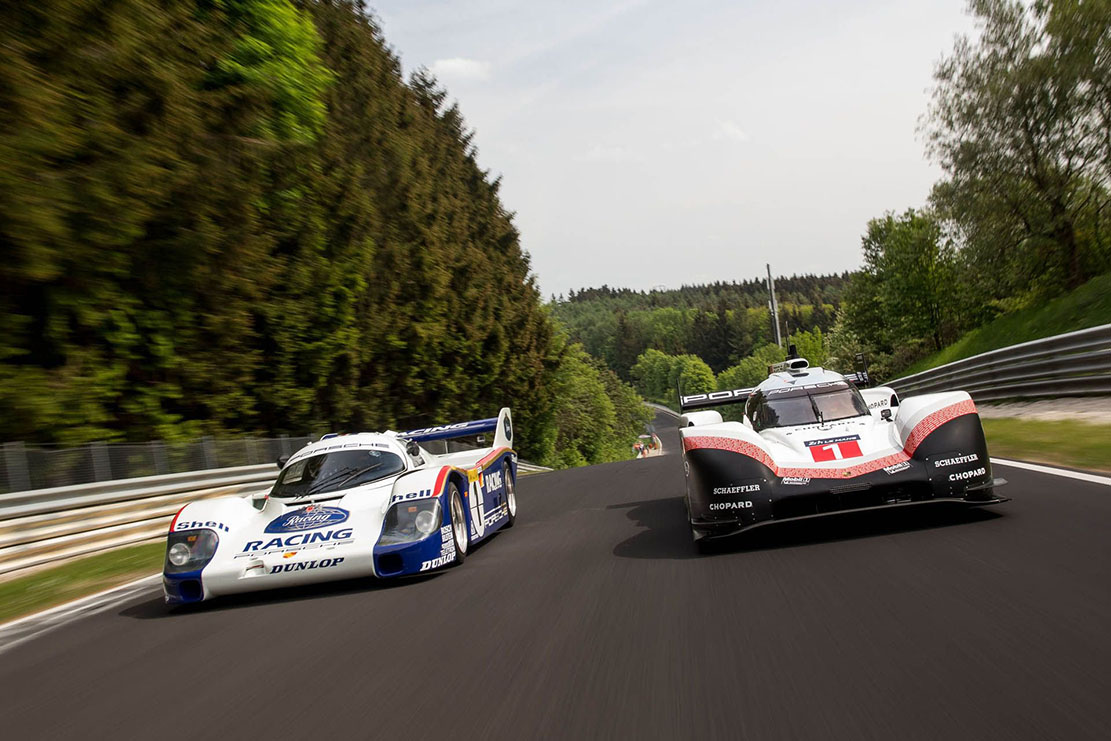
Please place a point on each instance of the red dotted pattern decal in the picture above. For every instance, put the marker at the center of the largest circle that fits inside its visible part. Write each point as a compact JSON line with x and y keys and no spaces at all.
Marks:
{"x":920,"y":432}
{"x":923,"y":429}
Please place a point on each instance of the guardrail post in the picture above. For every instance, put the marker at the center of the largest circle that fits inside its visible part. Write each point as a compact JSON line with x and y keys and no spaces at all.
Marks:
{"x":284,"y":445}
{"x":15,"y":462}
{"x":102,"y":466}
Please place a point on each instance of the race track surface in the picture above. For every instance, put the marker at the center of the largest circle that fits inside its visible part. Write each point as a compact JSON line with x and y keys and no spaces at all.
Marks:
{"x":594,"y":618}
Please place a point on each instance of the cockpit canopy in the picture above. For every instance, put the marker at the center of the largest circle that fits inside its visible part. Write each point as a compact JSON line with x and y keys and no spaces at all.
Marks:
{"x":789,"y":406}
{"x":335,"y":470}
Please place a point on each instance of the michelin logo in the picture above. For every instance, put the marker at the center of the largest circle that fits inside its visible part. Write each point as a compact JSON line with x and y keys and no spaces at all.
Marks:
{"x":897,"y":467}
{"x":796,"y":480}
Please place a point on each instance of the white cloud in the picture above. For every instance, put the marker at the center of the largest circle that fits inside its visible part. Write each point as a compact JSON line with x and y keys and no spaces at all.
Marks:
{"x":459,"y":69}
{"x":730,"y":131}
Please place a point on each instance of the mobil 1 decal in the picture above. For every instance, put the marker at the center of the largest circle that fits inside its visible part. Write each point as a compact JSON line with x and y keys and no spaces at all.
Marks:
{"x":835,"y":448}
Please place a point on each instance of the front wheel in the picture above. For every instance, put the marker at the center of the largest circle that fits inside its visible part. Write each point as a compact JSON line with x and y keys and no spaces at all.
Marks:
{"x":510,"y":499}
{"x":458,"y":523}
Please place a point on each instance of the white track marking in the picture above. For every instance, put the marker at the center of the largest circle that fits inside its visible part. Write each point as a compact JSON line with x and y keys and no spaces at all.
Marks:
{"x":25,"y":628}
{"x":1089,"y":477}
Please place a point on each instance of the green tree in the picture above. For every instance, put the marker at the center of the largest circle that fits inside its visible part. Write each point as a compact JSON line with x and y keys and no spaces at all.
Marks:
{"x":1019,"y":120}
{"x":904,"y":291}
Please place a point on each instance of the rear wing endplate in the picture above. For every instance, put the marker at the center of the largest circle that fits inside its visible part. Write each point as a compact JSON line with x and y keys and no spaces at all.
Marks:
{"x":859,"y":378}
{"x":501,"y":426}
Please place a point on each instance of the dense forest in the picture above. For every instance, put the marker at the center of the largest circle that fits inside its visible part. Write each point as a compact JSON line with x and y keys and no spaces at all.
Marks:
{"x":721,"y":323}
{"x":237,"y":216}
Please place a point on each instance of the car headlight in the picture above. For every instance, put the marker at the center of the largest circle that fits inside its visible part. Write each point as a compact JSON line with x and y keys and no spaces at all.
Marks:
{"x":190,"y":550}
{"x":407,"y":522}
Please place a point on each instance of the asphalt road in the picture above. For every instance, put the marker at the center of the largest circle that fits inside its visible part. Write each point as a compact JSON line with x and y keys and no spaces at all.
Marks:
{"x":594,"y":618}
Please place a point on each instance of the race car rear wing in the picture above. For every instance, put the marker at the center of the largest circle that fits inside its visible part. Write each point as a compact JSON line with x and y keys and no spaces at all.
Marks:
{"x":501,"y":426}
{"x":714,"y":399}
{"x":859,"y":378}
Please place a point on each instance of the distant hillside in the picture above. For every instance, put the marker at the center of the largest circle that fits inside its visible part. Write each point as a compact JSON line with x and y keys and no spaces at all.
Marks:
{"x":719,"y":322}
{"x":798,"y":289}
{"x":1087,"y":306}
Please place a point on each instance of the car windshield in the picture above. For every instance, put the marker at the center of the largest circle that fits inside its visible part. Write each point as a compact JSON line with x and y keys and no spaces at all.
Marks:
{"x":804,"y":406}
{"x":341,"y":469}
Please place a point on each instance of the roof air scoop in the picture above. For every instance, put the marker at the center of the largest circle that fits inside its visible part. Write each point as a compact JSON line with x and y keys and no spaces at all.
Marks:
{"x":791,"y":365}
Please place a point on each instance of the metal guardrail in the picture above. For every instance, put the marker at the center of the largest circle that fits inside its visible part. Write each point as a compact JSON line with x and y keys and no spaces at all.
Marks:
{"x":42,"y":526}
{"x":46,"y":525}
{"x":24,"y":467}
{"x":1071,"y":364}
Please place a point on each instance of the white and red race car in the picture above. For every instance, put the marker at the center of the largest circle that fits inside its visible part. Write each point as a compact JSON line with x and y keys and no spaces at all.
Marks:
{"x":811,"y":443}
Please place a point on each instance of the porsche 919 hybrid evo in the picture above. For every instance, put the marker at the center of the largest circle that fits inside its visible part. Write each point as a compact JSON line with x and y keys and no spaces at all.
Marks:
{"x":367,"y":504}
{"x":811,"y":443}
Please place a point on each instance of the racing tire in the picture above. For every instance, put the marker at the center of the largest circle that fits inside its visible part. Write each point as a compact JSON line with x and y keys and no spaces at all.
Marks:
{"x":460,"y":532}
{"x":510,"y":499}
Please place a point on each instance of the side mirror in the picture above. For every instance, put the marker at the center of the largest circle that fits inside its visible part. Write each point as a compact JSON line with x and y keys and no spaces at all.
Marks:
{"x":412,"y":448}
{"x":282,"y":460}
{"x":481,"y":439}
{"x":885,"y":415}
{"x":258,"y":500}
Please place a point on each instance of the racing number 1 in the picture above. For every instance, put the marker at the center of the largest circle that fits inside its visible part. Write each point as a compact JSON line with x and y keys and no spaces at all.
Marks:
{"x":836,"y":451}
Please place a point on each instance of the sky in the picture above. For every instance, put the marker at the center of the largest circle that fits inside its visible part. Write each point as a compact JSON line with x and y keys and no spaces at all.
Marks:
{"x":646,"y":143}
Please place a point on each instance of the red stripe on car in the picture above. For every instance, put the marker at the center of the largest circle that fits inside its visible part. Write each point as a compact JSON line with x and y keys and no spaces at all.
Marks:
{"x":920,"y":432}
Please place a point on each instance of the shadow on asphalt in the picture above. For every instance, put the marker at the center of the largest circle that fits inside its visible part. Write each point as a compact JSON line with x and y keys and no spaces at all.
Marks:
{"x":157,"y":609}
{"x":666,"y":534}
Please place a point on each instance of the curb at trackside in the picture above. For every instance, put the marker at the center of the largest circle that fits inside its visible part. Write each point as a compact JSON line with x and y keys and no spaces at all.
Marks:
{"x":31,"y":626}
{"x":1091,"y":478}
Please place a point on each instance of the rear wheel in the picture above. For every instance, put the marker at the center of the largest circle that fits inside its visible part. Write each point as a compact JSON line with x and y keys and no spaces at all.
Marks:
{"x":510,"y":498}
{"x":459,"y":532}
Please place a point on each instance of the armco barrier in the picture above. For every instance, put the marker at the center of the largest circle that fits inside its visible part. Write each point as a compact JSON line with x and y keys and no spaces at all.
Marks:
{"x":45,"y":525}
{"x":41,"y":526}
{"x":1071,"y":364}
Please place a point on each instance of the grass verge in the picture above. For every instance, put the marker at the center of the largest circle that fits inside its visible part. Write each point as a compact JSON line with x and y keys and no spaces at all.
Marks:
{"x":1053,"y":442}
{"x":49,"y":587}
{"x":1087,"y":306}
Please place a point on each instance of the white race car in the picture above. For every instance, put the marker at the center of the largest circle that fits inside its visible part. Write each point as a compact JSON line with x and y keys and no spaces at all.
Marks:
{"x":810,"y":443}
{"x":367,"y":504}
